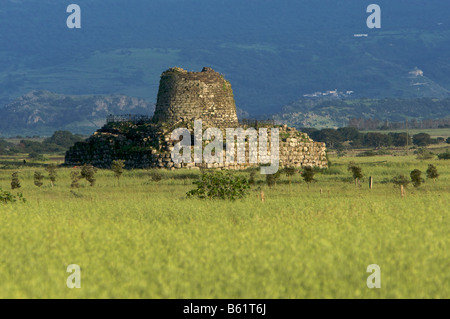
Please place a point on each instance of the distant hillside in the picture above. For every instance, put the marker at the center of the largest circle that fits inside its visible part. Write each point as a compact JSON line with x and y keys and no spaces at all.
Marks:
{"x":321,"y":113}
{"x":42,"y":113}
{"x":272,"y":52}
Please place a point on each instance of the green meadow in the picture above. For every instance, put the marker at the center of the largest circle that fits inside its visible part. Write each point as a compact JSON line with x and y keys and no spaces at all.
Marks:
{"x":145,"y":239}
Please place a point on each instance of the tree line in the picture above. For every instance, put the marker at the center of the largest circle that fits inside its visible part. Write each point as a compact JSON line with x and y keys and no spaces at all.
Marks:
{"x":335,"y":138}
{"x":59,"y":142}
{"x":376,"y":124}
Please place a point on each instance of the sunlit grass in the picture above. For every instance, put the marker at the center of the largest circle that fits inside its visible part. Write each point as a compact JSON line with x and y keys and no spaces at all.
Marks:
{"x":144,"y":239}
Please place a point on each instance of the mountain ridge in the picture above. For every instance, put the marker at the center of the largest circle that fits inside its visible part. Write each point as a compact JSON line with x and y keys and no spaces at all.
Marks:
{"x":272,"y":52}
{"x":43,"y":112}
{"x":336,"y":112}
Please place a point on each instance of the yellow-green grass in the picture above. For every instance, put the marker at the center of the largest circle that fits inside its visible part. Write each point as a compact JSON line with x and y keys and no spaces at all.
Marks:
{"x":144,"y":239}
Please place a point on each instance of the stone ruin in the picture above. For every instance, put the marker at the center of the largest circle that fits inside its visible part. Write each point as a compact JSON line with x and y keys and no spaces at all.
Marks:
{"x":184,"y":97}
{"x":202,"y":95}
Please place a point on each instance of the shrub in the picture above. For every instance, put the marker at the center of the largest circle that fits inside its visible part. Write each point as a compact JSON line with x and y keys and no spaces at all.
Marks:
{"x":444,"y":156}
{"x":271,"y":179}
{"x":416,"y":178}
{"x":117,"y":167}
{"x":52,"y":174}
{"x":308,"y":174}
{"x":38,"y":177}
{"x":156,"y":176}
{"x":217,"y":185}
{"x":6,"y":197}
{"x":36,"y":156}
{"x":401,"y":180}
{"x":341,"y":153}
{"x":75,"y":176}
{"x":356,"y":172}
{"x":88,"y":173}
{"x":432,"y":172}
{"x":15,"y":182}
{"x":422,"y":139}
{"x":251,"y":180}
{"x":290,"y":171}
{"x":384,"y":152}
{"x":423,"y":154}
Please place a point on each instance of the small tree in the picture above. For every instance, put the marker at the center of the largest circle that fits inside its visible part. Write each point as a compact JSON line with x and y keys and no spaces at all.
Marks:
{"x":15,"y":182}
{"x":290,"y":171}
{"x":271,"y":179}
{"x":416,"y":178}
{"x":308,"y":175}
{"x":117,"y":167}
{"x":432,"y":172}
{"x":356,"y":172}
{"x":38,"y":177}
{"x":52,"y":174}
{"x":88,"y":173}
{"x":251,"y":180}
{"x":401,"y":180}
{"x":75,"y":176}
{"x":422,"y":139}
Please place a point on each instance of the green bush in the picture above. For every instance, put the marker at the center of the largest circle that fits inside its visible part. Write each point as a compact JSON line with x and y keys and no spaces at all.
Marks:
{"x":52,"y":173}
{"x":384,"y":152}
{"x":217,"y":185}
{"x":36,"y":156}
{"x":6,"y":197}
{"x":15,"y":182}
{"x":401,"y":180}
{"x":252,"y":179}
{"x":356,"y":172}
{"x":156,"y":176}
{"x":117,"y":167}
{"x":75,"y":176}
{"x":271,"y":179}
{"x":290,"y":172}
{"x":444,"y":156}
{"x":38,"y":177}
{"x":416,"y":178}
{"x":423,"y":154}
{"x":308,"y":174}
{"x":432,"y":172}
{"x":88,"y":173}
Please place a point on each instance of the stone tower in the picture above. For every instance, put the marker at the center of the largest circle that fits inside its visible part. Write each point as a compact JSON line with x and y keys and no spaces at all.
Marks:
{"x":202,"y":95}
{"x":182,"y":97}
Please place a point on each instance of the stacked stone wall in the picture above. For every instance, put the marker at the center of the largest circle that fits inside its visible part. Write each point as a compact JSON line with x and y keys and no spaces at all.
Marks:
{"x":202,"y":95}
{"x":296,"y":149}
{"x":183,"y":98}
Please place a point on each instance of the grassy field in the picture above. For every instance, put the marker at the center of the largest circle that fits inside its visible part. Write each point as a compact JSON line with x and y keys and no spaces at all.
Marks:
{"x":145,"y":239}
